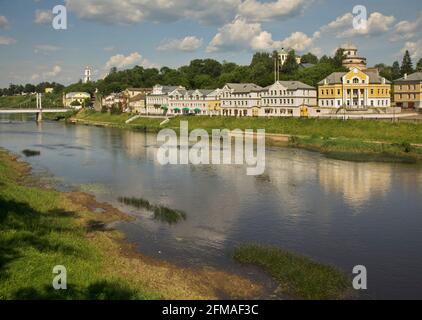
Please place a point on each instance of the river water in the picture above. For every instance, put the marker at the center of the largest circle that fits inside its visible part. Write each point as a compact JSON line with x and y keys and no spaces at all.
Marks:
{"x":336,"y":212}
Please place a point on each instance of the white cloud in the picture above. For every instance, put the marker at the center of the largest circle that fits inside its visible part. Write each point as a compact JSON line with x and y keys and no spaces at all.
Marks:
{"x":53,"y":73}
{"x":6,"y":40}
{"x":3,"y":22}
{"x":47,"y":75}
{"x":204,"y":11}
{"x":299,"y":41}
{"x":189,"y":43}
{"x":121,"y":61}
{"x":377,"y":24}
{"x":240,"y":34}
{"x":405,"y":30}
{"x":45,"y":48}
{"x":43,"y":16}
{"x":259,"y":11}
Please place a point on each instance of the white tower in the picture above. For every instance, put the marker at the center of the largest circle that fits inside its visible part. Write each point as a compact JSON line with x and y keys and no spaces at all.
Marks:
{"x":88,"y":74}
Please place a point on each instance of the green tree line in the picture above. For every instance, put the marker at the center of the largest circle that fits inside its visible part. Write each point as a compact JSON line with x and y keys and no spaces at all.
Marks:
{"x":211,"y":74}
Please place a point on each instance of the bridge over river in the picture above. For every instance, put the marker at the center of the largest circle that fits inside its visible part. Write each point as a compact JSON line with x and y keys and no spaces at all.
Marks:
{"x":37,"y":111}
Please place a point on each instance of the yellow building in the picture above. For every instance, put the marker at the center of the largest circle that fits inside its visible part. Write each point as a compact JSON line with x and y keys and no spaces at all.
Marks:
{"x":408,"y":91}
{"x":354,"y":89}
{"x":48,"y":90}
{"x":214,"y":107}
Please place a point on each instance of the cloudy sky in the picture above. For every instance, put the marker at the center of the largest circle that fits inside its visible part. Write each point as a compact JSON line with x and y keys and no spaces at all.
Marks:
{"x":122,"y":33}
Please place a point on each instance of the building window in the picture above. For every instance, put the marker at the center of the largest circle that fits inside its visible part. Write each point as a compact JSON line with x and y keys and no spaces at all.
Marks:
{"x":355,"y":80}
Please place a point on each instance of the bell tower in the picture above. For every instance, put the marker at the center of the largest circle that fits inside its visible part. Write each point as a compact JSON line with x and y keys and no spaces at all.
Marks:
{"x":87,"y":75}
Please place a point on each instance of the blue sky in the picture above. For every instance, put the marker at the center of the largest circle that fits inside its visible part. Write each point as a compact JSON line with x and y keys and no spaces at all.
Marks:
{"x":122,"y":33}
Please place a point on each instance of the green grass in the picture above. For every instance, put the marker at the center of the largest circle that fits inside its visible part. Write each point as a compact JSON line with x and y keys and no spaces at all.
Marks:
{"x":38,"y":233}
{"x":119,"y":121}
{"x":59,"y":116}
{"x":90,"y":115}
{"x":352,"y":129}
{"x":161,"y":213}
{"x":357,"y":150}
{"x":296,"y":276}
{"x":41,"y":228}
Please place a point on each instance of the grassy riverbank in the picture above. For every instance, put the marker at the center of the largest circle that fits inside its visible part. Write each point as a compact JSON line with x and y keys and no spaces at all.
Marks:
{"x":41,"y":228}
{"x":297,"y":276}
{"x":356,"y":140}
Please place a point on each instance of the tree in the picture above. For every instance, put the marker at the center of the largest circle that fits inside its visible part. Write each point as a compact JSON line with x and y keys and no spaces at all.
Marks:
{"x":86,"y":103}
{"x":395,"y":70}
{"x":385,"y":71}
{"x":419,"y":65}
{"x":339,"y":57}
{"x":310,"y":58}
{"x":407,"y":65}
{"x":262,"y":68}
{"x":290,"y":66}
{"x":326,"y":59}
{"x":113,"y":70}
{"x":75,"y":103}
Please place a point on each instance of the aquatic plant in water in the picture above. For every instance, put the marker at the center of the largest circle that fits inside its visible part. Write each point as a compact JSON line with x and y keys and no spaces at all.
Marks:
{"x":161,"y":213}
{"x":31,"y":153}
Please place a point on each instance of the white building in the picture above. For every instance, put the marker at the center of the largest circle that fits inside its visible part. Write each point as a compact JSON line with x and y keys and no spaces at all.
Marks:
{"x":182,"y":101}
{"x":157,"y":101}
{"x":282,"y":56}
{"x":75,"y":100}
{"x":113,"y":99}
{"x":240,"y":99}
{"x":281,"y":99}
{"x":287,"y":98}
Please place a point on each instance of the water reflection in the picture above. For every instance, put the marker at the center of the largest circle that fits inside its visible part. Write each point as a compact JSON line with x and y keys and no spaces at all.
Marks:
{"x":358,"y":183}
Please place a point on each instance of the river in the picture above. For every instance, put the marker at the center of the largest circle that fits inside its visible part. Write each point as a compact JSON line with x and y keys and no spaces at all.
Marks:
{"x":336,"y":212}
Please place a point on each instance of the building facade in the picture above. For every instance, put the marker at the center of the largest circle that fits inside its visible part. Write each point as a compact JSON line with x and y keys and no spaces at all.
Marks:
{"x":182,"y":101}
{"x":137,"y":104}
{"x":214,"y":102}
{"x":240,"y":99}
{"x":281,"y":99}
{"x":408,"y":91}
{"x":287,"y":99}
{"x":75,"y":100}
{"x":114,"y":100}
{"x":157,"y":101}
{"x":87,"y":75}
{"x":354,"y":89}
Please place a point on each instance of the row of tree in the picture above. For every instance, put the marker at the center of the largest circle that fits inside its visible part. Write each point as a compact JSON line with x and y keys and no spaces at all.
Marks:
{"x":18,"y":89}
{"x":396,"y":70}
{"x":211,"y":74}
